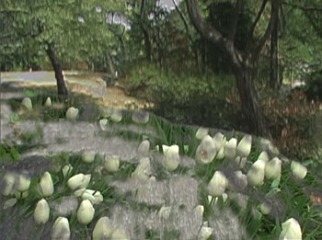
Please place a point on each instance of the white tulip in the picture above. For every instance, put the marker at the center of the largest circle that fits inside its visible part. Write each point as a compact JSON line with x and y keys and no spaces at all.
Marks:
{"x":79,"y":181}
{"x":200,"y":210}
{"x":118,"y":234}
{"x":26,"y":102}
{"x":291,"y":230}
{"x":219,"y":140}
{"x":206,"y":151}
{"x":140,"y":117}
{"x":9,"y":183}
{"x":205,"y":233}
{"x":23,"y":183}
{"x":41,"y":213}
{"x":85,"y":212}
{"x":88,"y":156}
{"x":244,"y":146}
{"x":265,"y":208}
{"x":273,"y":168}
{"x":263,"y":156}
{"x":46,"y":185}
{"x":61,"y":229}
{"x":112,"y":164}
{"x":116,"y":115}
{"x":103,"y":229}
{"x":171,"y":157}
{"x":231,"y":149}
{"x":67,"y":169}
{"x":201,"y":133}
{"x":94,"y":196}
{"x":221,"y":153}
{"x":48,"y":102}
{"x":164,"y":212}
{"x":298,"y":170}
{"x":103,"y":123}
{"x":9,"y":203}
{"x":143,"y":149}
{"x":72,"y":113}
{"x":143,"y":170}
{"x":256,"y":173}
{"x":217,"y":185}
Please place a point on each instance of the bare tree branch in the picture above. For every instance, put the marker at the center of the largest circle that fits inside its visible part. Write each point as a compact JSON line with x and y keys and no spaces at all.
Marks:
{"x":274,"y":17}
{"x":258,"y":16}
{"x":201,"y":25}
{"x":185,"y":22}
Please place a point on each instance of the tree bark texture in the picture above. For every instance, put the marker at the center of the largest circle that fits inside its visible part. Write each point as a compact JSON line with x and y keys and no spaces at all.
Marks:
{"x":61,"y":85}
{"x":274,"y":71}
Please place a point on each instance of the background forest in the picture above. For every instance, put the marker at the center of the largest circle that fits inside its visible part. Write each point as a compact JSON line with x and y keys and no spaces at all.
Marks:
{"x":249,"y":65}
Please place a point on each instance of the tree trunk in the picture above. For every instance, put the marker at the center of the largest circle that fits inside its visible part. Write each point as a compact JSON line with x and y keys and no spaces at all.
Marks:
{"x":274,"y":71}
{"x":61,"y":85}
{"x":111,"y":66}
{"x":250,"y":102}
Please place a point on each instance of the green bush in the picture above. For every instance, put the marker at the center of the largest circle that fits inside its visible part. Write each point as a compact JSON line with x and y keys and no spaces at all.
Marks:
{"x":193,"y":99}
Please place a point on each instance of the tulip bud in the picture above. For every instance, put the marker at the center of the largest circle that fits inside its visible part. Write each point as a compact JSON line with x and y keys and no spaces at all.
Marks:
{"x":298,"y":170}
{"x":9,"y":203}
{"x":164,"y":212}
{"x":206,"y":151}
{"x":219,"y":141}
{"x":256,"y":173}
{"x":94,"y":196}
{"x":72,"y":113}
{"x":9,"y":183}
{"x":61,"y":229}
{"x":118,"y":234}
{"x":273,"y":168}
{"x":111,"y":164}
{"x":201,"y":133}
{"x":67,"y":169}
{"x":88,"y":156}
{"x":116,"y":115}
{"x":103,"y":229}
{"x":48,"y":102}
{"x":23,"y":183}
{"x":263,"y":156}
{"x":85,"y":212}
{"x":103,"y":123}
{"x":265,"y":208}
{"x":26,"y":102}
{"x":143,"y":149}
{"x":291,"y":230}
{"x":41,"y":213}
{"x":171,"y":158}
{"x":217,"y":184}
{"x":221,"y":153}
{"x":200,"y":210}
{"x":143,"y":170}
{"x":140,"y":117}
{"x":46,"y":185}
{"x":79,"y":181}
{"x":205,"y":233}
{"x":231,"y":149}
{"x":244,"y":146}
